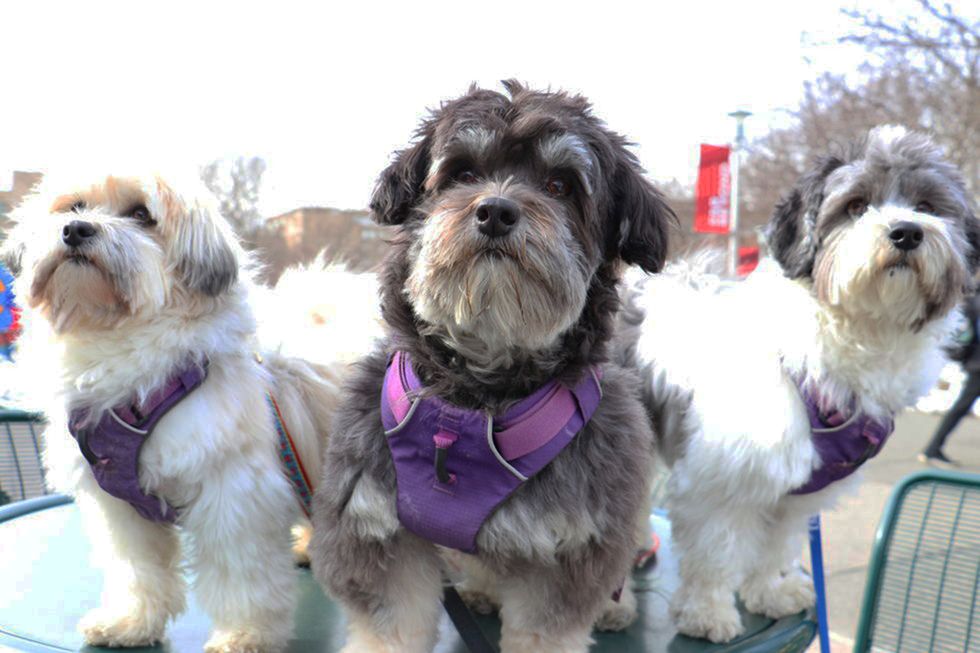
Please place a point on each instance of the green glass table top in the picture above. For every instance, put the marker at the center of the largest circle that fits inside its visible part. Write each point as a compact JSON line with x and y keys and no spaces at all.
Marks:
{"x":47,"y":584}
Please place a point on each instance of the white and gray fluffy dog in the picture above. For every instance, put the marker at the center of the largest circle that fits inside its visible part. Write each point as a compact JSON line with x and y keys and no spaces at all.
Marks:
{"x":874,"y":251}
{"x":127,"y":281}
{"x":515,"y":214}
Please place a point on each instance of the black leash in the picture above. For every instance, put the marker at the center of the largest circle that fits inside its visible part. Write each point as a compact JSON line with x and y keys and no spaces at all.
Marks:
{"x":465,"y":622}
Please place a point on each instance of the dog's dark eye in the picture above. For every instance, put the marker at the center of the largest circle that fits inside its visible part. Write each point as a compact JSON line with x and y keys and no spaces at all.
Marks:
{"x":465,"y":177}
{"x":141,"y":214}
{"x":557,"y":187}
{"x":924,"y":207}
{"x":856,"y":208}
{"x":77,"y":206}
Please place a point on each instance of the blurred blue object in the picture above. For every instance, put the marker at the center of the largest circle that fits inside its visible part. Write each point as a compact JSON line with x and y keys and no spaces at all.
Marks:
{"x":8,"y":321}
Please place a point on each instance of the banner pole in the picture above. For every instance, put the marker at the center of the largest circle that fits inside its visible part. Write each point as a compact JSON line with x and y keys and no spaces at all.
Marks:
{"x":733,"y":166}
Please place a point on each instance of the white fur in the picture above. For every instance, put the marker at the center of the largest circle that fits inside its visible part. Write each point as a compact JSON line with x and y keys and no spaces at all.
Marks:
{"x":736,"y":432}
{"x":214,"y":455}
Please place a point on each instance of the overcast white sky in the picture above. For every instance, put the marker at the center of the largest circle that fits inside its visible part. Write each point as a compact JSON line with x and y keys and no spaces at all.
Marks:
{"x":325,"y":93}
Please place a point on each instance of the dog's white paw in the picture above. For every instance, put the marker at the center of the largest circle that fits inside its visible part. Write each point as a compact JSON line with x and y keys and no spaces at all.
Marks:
{"x":365,"y":647}
{"x":787,"y":595}
{"x":105,"y":627}
{"x":242,"y":641}
{"x":519,"y":641}
{"x":715,"y":620}
{"x":617,"y":615}
{"x":479,"y":602}
{"x":363,"y":638}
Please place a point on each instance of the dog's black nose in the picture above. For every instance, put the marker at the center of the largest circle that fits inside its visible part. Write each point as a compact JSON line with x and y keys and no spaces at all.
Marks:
{"x":496,"y":216}
{"x":906,"y":236}
{"x":77,"y":232}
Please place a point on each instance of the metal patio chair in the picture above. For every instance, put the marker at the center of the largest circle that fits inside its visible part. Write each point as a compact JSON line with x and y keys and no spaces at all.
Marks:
{"x":21,"y":473}
{"x":924,"y":576}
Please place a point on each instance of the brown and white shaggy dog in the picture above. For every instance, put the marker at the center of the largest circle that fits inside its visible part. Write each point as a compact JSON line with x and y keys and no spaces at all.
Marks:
{"x":515,"y":215}
{"x":128,"y":280}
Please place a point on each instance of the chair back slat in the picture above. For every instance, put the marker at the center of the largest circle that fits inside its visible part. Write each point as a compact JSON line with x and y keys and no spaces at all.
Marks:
{"x":21,"y":471}
{"x":923,"y":580}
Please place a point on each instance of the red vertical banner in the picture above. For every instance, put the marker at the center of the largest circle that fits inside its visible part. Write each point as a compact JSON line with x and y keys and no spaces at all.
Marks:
{"x":712,"y":203}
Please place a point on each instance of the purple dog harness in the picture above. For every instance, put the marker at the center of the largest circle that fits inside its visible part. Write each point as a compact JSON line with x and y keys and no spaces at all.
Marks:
{"x":455,"y":466}
{"x":112,"y":445}
{"x":843,"y":443}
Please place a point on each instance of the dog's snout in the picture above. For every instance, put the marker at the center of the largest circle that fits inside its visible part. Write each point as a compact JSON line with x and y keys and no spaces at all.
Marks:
{"x":77,"y":232}
{"x":496,"y":216}
{"x":906,"y":236}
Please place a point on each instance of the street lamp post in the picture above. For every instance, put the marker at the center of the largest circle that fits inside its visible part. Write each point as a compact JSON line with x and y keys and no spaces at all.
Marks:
{"x":737,"y":147}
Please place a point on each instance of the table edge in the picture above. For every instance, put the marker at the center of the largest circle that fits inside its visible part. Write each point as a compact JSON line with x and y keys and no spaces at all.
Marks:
{"x":37,"y":504}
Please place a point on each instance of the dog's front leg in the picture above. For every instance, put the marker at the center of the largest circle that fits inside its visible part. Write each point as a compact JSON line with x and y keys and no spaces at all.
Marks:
{"x":715,"y":543}
{"x":551,"y":610}
{"x":388,"y":580}
{"x":390,"y":590}
{"x":775,"y":585}
{"x":144,"y":587}
{"x":239,"y":530}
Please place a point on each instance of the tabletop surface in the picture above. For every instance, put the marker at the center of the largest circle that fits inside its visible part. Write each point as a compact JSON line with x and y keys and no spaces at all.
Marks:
{"x":47,"y":584}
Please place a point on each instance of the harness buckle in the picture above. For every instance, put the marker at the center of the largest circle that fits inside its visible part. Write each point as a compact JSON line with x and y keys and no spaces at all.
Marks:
{"x":443,"y":441}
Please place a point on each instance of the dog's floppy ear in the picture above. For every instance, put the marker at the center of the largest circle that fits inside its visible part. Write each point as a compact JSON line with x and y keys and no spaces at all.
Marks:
{"x":790,"y":232}
{"x":203,"y":249}
{"x":641,"y":217}
{"x":400,"y":186}
{"x":971,"y":227}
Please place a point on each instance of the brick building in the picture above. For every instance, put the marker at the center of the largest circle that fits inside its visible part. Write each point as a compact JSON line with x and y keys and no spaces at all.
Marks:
{"x":21,"y":183}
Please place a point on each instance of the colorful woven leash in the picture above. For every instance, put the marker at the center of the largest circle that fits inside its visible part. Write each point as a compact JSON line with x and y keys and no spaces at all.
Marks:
{"x":291,"y":460}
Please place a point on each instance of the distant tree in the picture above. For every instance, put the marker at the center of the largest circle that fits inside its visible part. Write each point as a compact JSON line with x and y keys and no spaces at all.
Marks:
{"x":922,"y":73}
{"x":237,"y":186}
{"x":941,"y":50}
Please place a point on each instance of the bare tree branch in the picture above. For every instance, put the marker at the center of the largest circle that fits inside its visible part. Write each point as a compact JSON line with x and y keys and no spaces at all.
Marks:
{"x":237,"y":191}
{"x":923,"y":75}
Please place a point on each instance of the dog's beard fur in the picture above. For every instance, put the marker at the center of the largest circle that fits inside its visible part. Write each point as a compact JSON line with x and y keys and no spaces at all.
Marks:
{"x":131,"y":271}
{"x":865,"y":282}
{"x":860,"y":273}
{"x":488,"y":299}
{"x":120,"y":274}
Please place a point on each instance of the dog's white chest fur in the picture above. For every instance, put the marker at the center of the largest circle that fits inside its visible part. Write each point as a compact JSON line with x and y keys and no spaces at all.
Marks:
{"x":722,"y":386}
{"x":723,"y":376}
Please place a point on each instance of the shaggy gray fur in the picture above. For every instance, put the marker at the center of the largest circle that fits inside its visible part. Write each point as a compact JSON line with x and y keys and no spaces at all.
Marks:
{"x":601,"y":480}
{"x":908,"y":171}
{"x":565,"y":538}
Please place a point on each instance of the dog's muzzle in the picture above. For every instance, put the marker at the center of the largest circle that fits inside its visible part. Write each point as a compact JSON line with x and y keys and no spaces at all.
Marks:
{"x":906,"y":236}
{"x":76,"y":232}
{"x":496,"y":216}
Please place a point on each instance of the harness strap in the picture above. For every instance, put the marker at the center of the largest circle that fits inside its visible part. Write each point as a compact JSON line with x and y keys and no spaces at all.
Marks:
{"x":112,"y":444}
{"x":533,"y":425}
{"x":843,"y":439}
{"x":464,"y":621}
{"x":295,"y":471}
{"x":534,"y":429}
{"x":163,"y":398}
